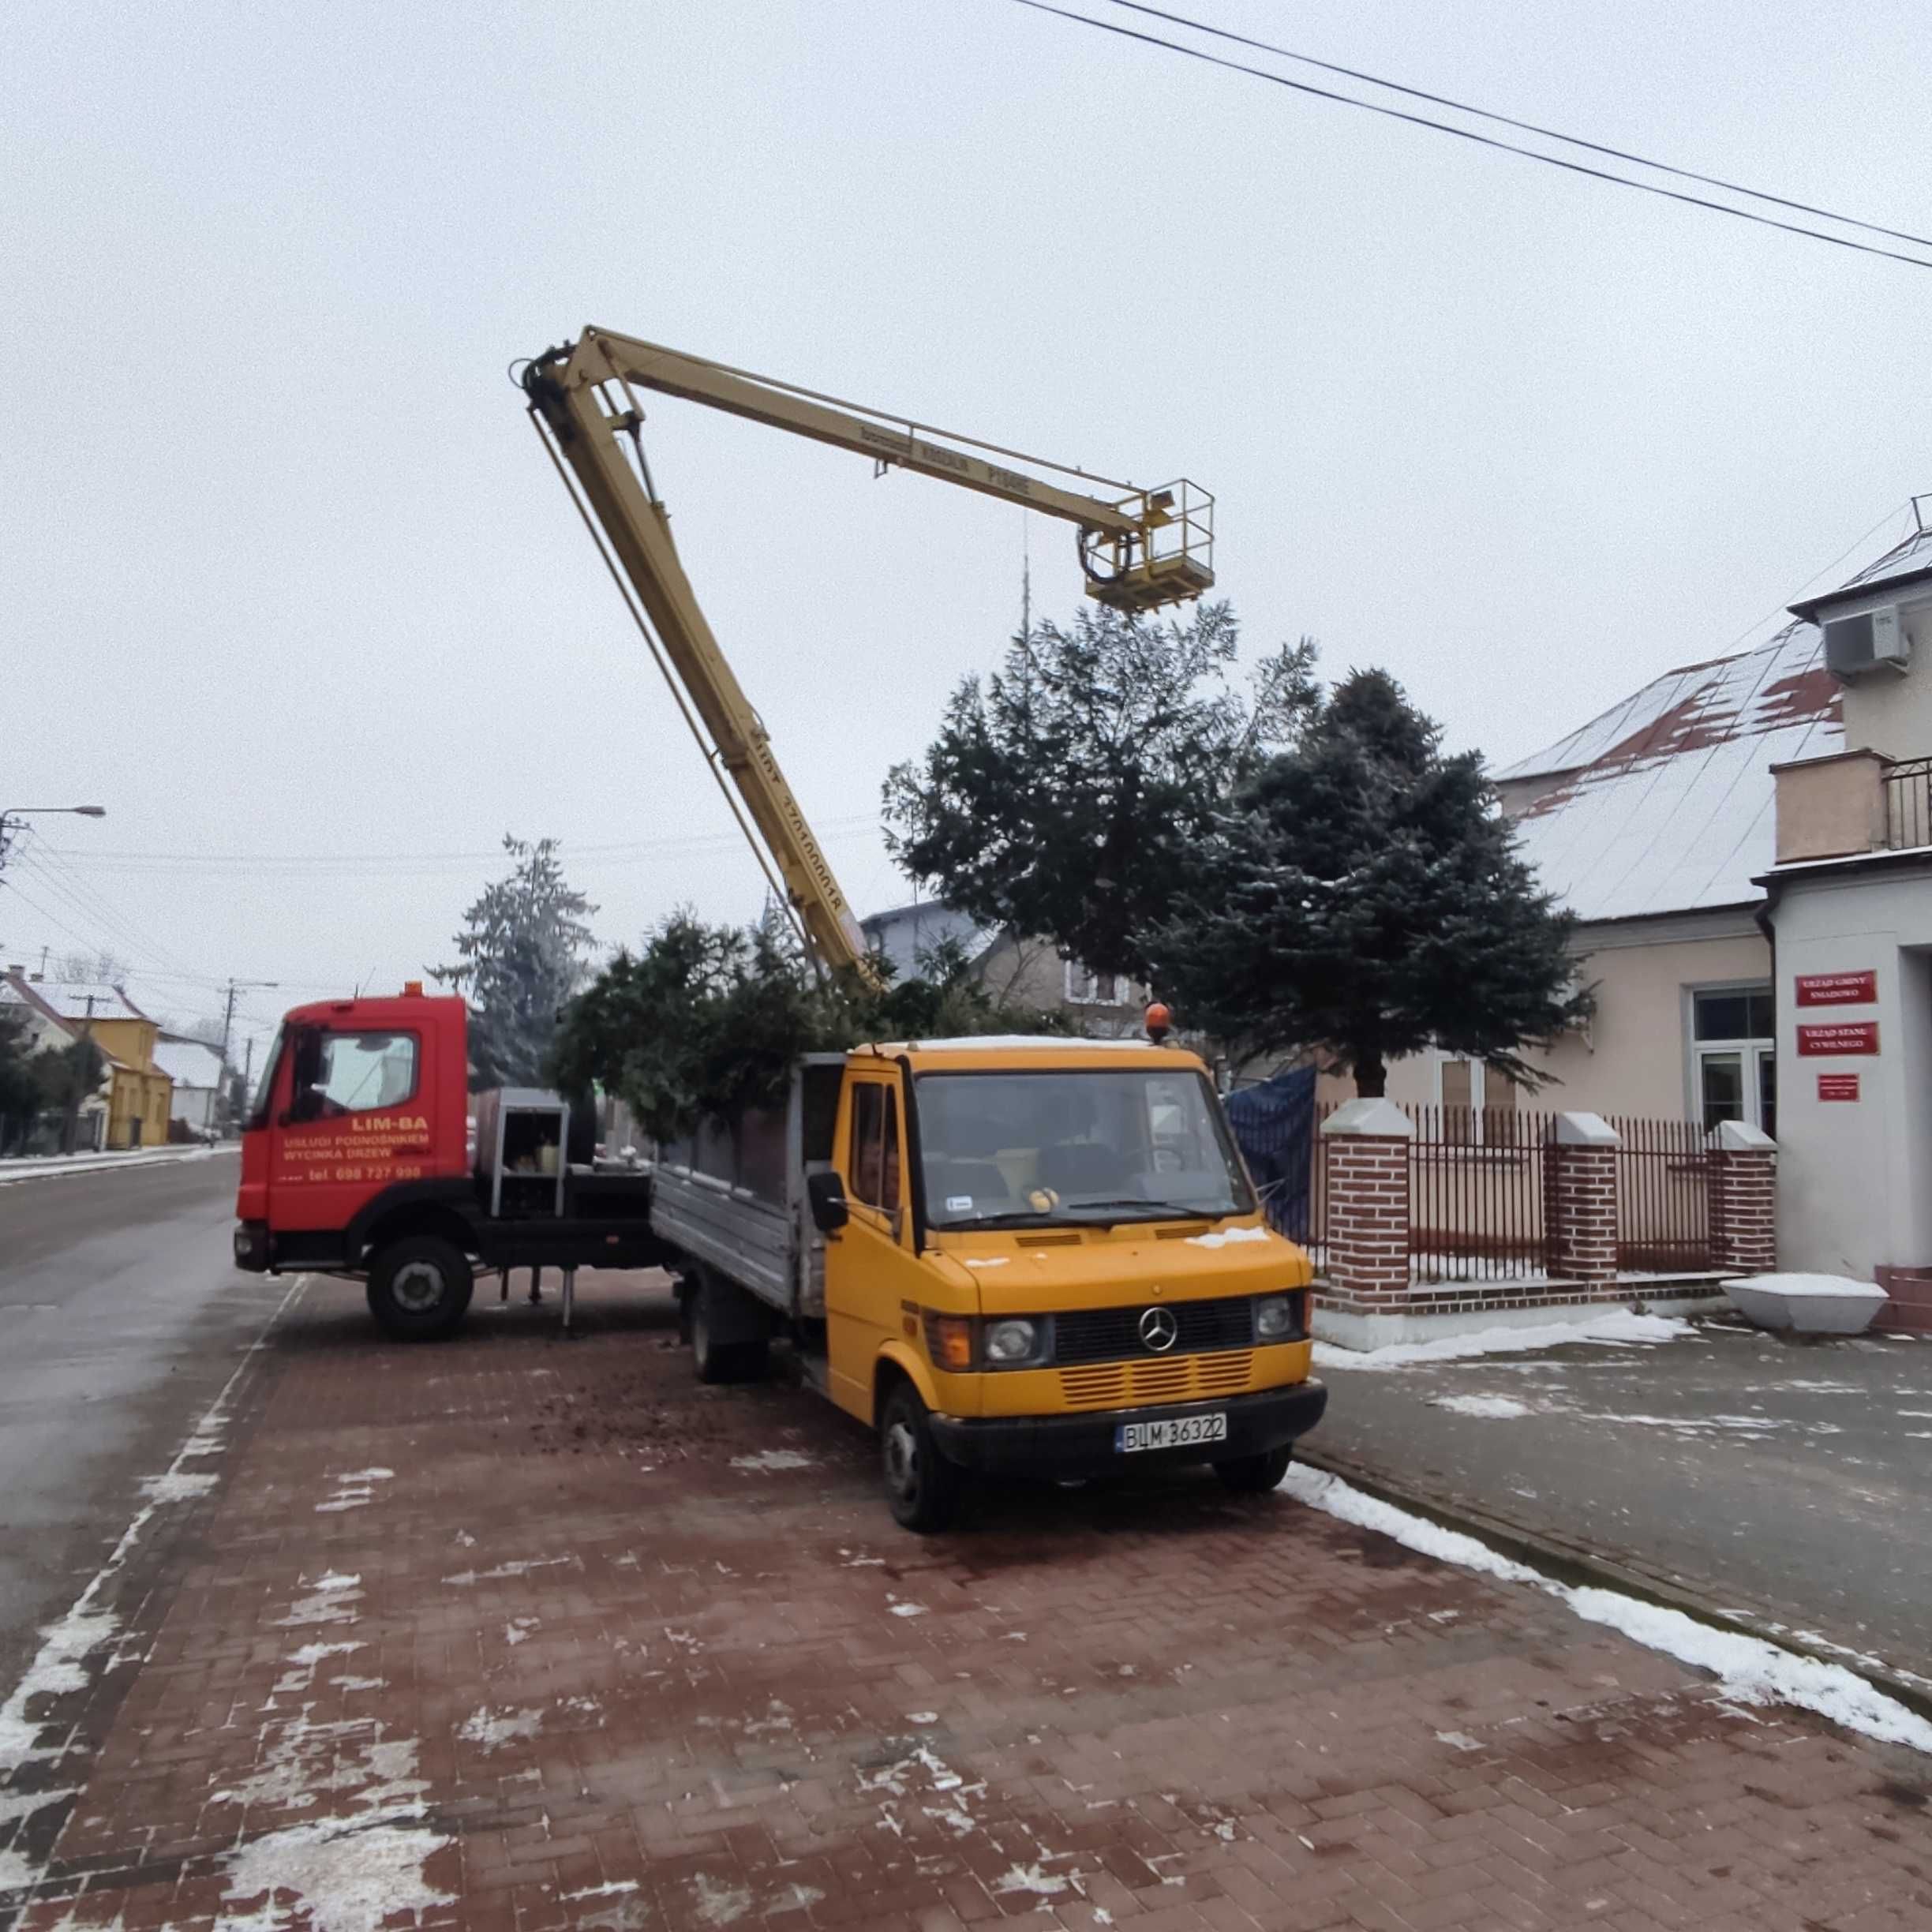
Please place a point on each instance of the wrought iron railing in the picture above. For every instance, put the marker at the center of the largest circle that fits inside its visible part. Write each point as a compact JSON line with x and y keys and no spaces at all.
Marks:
{"x":1908,"y":804}
{"x":1662,"y":1197}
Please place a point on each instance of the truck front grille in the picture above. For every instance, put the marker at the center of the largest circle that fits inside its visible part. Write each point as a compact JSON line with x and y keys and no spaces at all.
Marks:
{"x":1113,"y":1334}
{"x":1158,"y":1379}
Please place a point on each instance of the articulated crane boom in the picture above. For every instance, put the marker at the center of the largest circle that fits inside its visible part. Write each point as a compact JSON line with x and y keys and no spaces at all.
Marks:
{"x":1139,"y":549}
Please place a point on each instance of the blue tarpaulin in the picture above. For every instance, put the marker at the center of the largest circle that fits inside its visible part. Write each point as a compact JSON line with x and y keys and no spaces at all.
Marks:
{"x":1274,"y":1126}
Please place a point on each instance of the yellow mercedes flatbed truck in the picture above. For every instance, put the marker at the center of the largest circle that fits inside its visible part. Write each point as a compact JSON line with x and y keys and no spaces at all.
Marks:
{"x":1026,"y":1256}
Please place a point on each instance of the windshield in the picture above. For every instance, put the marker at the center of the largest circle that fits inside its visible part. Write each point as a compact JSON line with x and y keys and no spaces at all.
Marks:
{"x":1090,"y":1147}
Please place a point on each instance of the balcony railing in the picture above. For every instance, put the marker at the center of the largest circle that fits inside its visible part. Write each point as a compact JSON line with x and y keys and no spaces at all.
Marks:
{"x":1908,"y":804}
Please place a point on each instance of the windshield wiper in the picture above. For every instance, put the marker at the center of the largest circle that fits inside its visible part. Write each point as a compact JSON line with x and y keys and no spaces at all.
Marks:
{"x":1153,"y":1210}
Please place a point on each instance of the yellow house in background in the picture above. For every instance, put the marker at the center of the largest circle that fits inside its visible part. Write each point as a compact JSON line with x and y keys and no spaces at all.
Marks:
{"x":140,"y":1095}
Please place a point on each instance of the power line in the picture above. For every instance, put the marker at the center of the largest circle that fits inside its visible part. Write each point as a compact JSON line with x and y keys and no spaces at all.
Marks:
{"x":1526,"y":127}
{"x":1481,"y":140}
{"x":309,"y":864}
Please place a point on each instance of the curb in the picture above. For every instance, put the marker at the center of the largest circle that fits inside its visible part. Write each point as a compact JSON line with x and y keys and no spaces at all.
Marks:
{"x":1570,"y":1564}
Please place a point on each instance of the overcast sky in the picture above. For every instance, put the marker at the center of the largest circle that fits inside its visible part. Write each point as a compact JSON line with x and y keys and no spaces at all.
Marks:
{"x":286,"y":579}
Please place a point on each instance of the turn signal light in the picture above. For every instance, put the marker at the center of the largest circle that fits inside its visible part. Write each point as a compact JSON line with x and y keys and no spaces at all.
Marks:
{"x":949,"y":1342}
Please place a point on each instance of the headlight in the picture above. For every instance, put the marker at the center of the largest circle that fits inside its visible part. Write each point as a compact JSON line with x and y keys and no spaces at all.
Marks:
{"x":1009,"y":1342}
{"x":1274,"y":1318}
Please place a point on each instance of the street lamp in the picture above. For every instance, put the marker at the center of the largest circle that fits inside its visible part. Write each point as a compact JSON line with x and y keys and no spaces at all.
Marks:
{"x":11,"y":813}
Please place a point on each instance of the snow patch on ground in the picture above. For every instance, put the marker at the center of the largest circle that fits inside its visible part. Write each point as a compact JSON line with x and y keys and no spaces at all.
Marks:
{"x":340,"y":1874}
{"x":303,"y":1663}
{"x":719,"y":1904}
{"x":327,"y":1602}
{"x":492,"y":1729}
{"x":1617,"y":1325}
{"x":1033,"y":1878}
{"x":908,"y":1609}
{"x":1752,"y":1671}
{"x":464,"y":1578}
{"x":354,"y":1489}
{"x":768,"y":1462}
{"x":175,"y":1486}
{"x":1496,"y":1408}
{"x":1458,"y":1740}
{"x":518,"y":1629}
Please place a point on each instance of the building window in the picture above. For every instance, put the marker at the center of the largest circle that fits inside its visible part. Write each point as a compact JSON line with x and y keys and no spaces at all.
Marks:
{"x":1734,"y":1057}
{"x":1479,"y":1100}
{"x":1092,"y":989}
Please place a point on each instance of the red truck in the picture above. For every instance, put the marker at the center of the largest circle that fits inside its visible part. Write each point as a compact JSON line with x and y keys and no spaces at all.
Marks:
{"x":358,"y":1162}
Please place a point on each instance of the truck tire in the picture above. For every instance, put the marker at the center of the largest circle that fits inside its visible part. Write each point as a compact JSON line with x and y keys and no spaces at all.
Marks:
{"x":718,"y":1309}
{"x":419,"y":1287}
{"x":1256,"y":1475}
{"x":922,"y":1488}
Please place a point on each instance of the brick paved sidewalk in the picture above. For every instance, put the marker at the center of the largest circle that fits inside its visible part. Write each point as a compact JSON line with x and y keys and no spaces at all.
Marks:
{"x":514,"y":1633}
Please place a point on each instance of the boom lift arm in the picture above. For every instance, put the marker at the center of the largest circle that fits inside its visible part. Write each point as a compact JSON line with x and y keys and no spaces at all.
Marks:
{"x":1139,"y":549}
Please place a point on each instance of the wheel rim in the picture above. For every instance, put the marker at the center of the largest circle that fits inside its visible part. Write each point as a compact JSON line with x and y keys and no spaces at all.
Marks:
{"x":901,"y":1458}
{"x":418,"y":1286}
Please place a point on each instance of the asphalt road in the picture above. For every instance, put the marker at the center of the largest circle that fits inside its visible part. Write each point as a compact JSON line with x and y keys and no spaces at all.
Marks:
{"x":1787,"y":1481}
{"x":120,"y":1319}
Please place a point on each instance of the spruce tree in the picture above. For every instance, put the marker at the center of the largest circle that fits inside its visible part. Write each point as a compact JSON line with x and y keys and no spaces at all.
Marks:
{"x":1065,"y":795}
{"x":522,"y":956}
{"x":1364,"y":900}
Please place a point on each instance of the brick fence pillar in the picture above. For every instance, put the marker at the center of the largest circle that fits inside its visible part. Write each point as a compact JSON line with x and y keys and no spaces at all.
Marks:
{"x":1580,"y":1193}
{"x":1365,"y":1144}
{"x":1743,"y":1198}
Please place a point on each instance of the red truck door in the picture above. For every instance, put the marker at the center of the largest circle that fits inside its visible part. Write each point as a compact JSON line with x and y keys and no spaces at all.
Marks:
{"x":351,"y":1118}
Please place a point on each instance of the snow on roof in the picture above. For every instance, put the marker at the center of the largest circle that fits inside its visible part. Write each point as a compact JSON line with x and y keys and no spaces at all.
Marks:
{"x":903,"y":933}
{"x":69,"y":999}
{"x":1663,"y":803}
{"x":1910,"y":559}
{"x":187,"y":1063}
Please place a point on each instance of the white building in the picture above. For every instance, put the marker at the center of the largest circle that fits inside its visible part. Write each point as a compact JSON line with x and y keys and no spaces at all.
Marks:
{"x":1850,"y":909}
{"x":195,"y":1069}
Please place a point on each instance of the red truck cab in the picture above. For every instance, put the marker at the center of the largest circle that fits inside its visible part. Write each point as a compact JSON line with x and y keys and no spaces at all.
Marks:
{"x":356,"y":1161}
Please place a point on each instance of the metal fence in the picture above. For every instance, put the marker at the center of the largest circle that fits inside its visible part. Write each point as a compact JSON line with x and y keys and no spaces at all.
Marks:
{"x":1908,"y":804}
{"x":1475,"y":1202}
{"x":1662,"y":1197}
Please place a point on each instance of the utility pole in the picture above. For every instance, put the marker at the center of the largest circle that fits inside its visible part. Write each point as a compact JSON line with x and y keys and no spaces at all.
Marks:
{"x":227,"y":1028}
{"x":82,"y":1058}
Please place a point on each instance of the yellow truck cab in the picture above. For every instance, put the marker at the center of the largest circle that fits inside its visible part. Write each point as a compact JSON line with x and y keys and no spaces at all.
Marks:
{"x":1011,"y":1256}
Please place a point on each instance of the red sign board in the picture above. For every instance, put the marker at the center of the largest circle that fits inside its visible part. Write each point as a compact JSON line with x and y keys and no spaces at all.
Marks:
{"x":1838,"y":1086}
{"x":1848,"y":1036}
{"x":1853,"y":989}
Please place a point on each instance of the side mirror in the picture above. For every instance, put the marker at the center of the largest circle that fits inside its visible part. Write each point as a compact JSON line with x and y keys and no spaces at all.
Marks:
{"x":826,"y":1193}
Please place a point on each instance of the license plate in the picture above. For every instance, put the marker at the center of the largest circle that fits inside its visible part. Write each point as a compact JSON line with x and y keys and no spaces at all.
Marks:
{"x":1170,"y":1433}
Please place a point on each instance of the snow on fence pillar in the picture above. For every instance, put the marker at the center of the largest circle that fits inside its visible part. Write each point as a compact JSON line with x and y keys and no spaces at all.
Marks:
{"x":1366,"y":1145}
{"x":1581,"y":1192}
{"x":1743,"y":1198}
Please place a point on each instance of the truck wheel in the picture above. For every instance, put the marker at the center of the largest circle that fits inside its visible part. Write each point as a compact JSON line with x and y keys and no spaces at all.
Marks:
{"x":419,"y":1287}
{"x":921,"y":1487}
{"x":717,"y":1308}
{"x":1256,"y":1475}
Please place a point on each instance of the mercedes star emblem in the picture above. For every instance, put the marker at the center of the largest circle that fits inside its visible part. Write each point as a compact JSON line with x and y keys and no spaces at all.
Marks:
{"x":1160,"y":1330}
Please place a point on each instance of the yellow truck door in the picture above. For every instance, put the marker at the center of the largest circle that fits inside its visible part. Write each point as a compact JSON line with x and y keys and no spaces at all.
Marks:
{"x":869,"y":1267}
